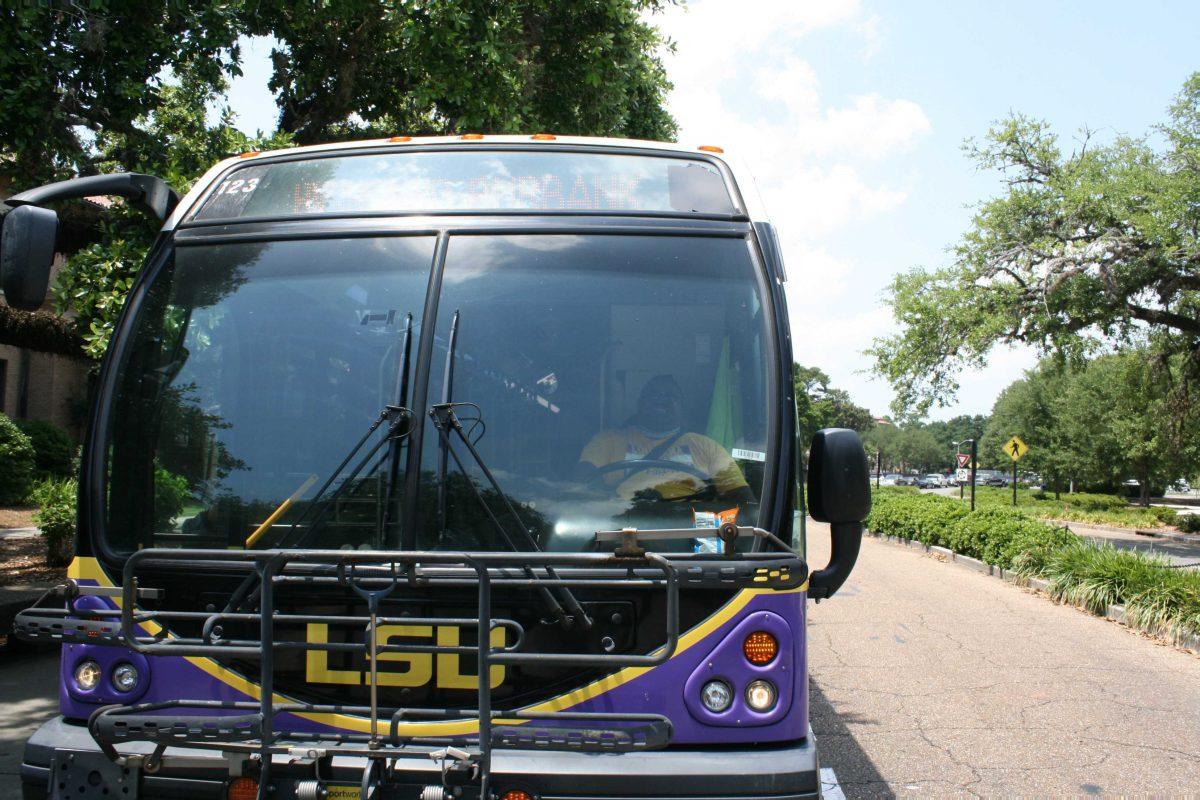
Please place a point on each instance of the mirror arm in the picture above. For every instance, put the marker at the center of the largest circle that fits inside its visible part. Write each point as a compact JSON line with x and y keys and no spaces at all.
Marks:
{"x":146,"y":192}
{"x":846,"y":539}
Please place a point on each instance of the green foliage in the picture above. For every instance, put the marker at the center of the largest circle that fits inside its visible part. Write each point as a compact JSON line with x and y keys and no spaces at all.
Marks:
{"x":819,"y":405}
{"x":75,"y":70}
{"x":1189,"y":523}
{"x":1082,"y":249}
{"x":53,"y":449}
{"x":17,"y":459}
{"x":589,"y":67}
{"x":1128,"y":414}
{"x":994,"y":535}
{"x":1097,"y":509}
{"x":1079,"y":572}
{"x":1097,"y":576}
{"x":103,"y":87}
{"x":908,"y":447}
{"x":170,"y":496}
{"x":55,"y":517}
{"x":178,"y":146}
{"x":957,"y":429}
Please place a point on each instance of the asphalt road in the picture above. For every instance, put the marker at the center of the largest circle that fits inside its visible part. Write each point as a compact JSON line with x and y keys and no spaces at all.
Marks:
{"x":932,"y":681}
{"x":28,"y":696}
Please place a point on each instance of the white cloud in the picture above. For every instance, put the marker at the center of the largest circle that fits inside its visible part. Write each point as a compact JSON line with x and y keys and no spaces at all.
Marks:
{"x":742,"y":81}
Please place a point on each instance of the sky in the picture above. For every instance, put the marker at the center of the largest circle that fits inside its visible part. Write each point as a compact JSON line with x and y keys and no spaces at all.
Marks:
{"x":852,"y":113}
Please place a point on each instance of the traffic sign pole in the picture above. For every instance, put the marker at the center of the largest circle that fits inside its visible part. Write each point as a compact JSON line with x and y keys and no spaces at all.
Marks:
{"x":974,"y":465}
{"x":1014,"y":483}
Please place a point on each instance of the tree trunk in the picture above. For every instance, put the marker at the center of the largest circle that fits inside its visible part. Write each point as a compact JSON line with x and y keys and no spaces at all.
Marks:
{"x":41,"y":331}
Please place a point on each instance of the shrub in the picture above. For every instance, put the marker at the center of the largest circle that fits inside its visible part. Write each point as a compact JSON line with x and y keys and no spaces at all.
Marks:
{"x":55,"y":518}
{"x":993,"y":534}
{"x":1164,"y":515}
{"x":52,"y":447}
{"x":16,"y":463}
{"x":1155,"y":595}
{"x":1188,"y":523}
{"x":1095,"y":502}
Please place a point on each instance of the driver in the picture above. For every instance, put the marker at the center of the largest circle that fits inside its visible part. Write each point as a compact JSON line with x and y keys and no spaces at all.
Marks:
{"x":655,"y":434}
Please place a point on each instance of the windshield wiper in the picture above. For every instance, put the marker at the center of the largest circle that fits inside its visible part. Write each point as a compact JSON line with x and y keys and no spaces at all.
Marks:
{"x":398,"y":413}
{"x":447,"y":422}
{"x":395,"y":448}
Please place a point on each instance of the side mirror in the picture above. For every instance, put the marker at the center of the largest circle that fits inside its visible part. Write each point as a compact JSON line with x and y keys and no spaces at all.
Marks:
{"x":839,"y":492}
{"x":26,"y":255}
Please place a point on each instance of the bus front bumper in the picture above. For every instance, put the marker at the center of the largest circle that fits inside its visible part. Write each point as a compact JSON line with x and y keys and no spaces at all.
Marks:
{"x":755,"y":772}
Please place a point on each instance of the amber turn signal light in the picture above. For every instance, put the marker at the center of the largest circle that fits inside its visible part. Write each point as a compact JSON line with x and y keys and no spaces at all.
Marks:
{"x":517,"y":794}
{"x":760,"y":648}
{"x":242,"y":789}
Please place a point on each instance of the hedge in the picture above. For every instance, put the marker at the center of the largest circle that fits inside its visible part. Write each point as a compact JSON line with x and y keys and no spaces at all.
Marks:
{"x":52,"y":447}
{"x":16,"y":463}
{"x":1155,"y":595}
{"x":993,"y":535}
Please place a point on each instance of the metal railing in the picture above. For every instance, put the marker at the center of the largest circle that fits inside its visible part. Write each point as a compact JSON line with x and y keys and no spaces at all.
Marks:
{"x":255,"y":729}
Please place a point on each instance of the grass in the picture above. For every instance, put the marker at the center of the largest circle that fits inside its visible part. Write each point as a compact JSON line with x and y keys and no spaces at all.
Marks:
{"x":1095,"y":576}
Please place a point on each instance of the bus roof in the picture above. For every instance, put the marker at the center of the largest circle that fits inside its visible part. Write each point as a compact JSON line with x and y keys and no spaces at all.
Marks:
{"x":744,"y":181}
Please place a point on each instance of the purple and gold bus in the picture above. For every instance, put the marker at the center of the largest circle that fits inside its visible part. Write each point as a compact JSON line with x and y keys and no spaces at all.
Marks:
{"x":458,"y":467}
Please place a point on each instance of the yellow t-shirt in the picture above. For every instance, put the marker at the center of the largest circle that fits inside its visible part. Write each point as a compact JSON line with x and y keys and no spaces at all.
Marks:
{"x":629,"y":444}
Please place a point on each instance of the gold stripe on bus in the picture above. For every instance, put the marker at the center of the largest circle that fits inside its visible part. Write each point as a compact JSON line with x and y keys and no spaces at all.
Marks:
{"x":87,"y":568}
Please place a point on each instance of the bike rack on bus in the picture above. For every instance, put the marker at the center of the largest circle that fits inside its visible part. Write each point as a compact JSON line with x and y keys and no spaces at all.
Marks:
{"x":250,"y":729}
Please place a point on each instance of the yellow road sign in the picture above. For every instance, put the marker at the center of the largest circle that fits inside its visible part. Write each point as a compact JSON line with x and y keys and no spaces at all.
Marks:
{"x":1014,"y":448}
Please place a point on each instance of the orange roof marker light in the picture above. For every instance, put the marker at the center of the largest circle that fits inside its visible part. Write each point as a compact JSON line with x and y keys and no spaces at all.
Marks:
{"x":400,"y":139}
{"x":543,"y":137}
{"x":250,"y":154}
{"x":711,"y":148}
{"x":471,"y":136}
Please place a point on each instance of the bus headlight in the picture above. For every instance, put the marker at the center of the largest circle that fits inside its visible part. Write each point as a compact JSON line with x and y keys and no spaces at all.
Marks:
{"x":760,"y":696}
{"x":125,"y":677}
{"x":87,"y":675}
{"x":716,"y":696}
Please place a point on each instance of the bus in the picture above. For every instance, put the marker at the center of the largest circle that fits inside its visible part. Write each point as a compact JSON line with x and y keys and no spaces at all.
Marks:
{"x":429,"y":468}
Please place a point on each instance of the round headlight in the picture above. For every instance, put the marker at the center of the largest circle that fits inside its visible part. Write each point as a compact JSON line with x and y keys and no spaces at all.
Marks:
{"x":87,"y":675}
{"x":125,"y":677}
{"x":760,"y":695}
{"x":716,"y":696}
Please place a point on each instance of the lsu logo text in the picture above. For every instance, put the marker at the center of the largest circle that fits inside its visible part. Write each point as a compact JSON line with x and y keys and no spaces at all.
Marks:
{"x":404,"y":669}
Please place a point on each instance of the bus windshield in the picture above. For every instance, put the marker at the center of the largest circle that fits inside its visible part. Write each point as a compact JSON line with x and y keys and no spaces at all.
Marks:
{"x":604,"y":381}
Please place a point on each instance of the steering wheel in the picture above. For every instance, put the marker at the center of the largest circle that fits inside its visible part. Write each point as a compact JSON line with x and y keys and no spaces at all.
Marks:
{"x":642,"y":464}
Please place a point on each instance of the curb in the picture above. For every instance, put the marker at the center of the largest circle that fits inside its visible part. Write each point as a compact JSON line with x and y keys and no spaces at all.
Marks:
{"x":1116,"y":613}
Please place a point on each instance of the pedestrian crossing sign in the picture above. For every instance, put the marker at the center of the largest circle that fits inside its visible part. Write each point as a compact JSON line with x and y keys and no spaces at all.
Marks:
{"x":1014,"y":448}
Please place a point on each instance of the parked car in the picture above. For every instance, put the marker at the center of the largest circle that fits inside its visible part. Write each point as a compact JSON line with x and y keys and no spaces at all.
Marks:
{"x":936,"y":479}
